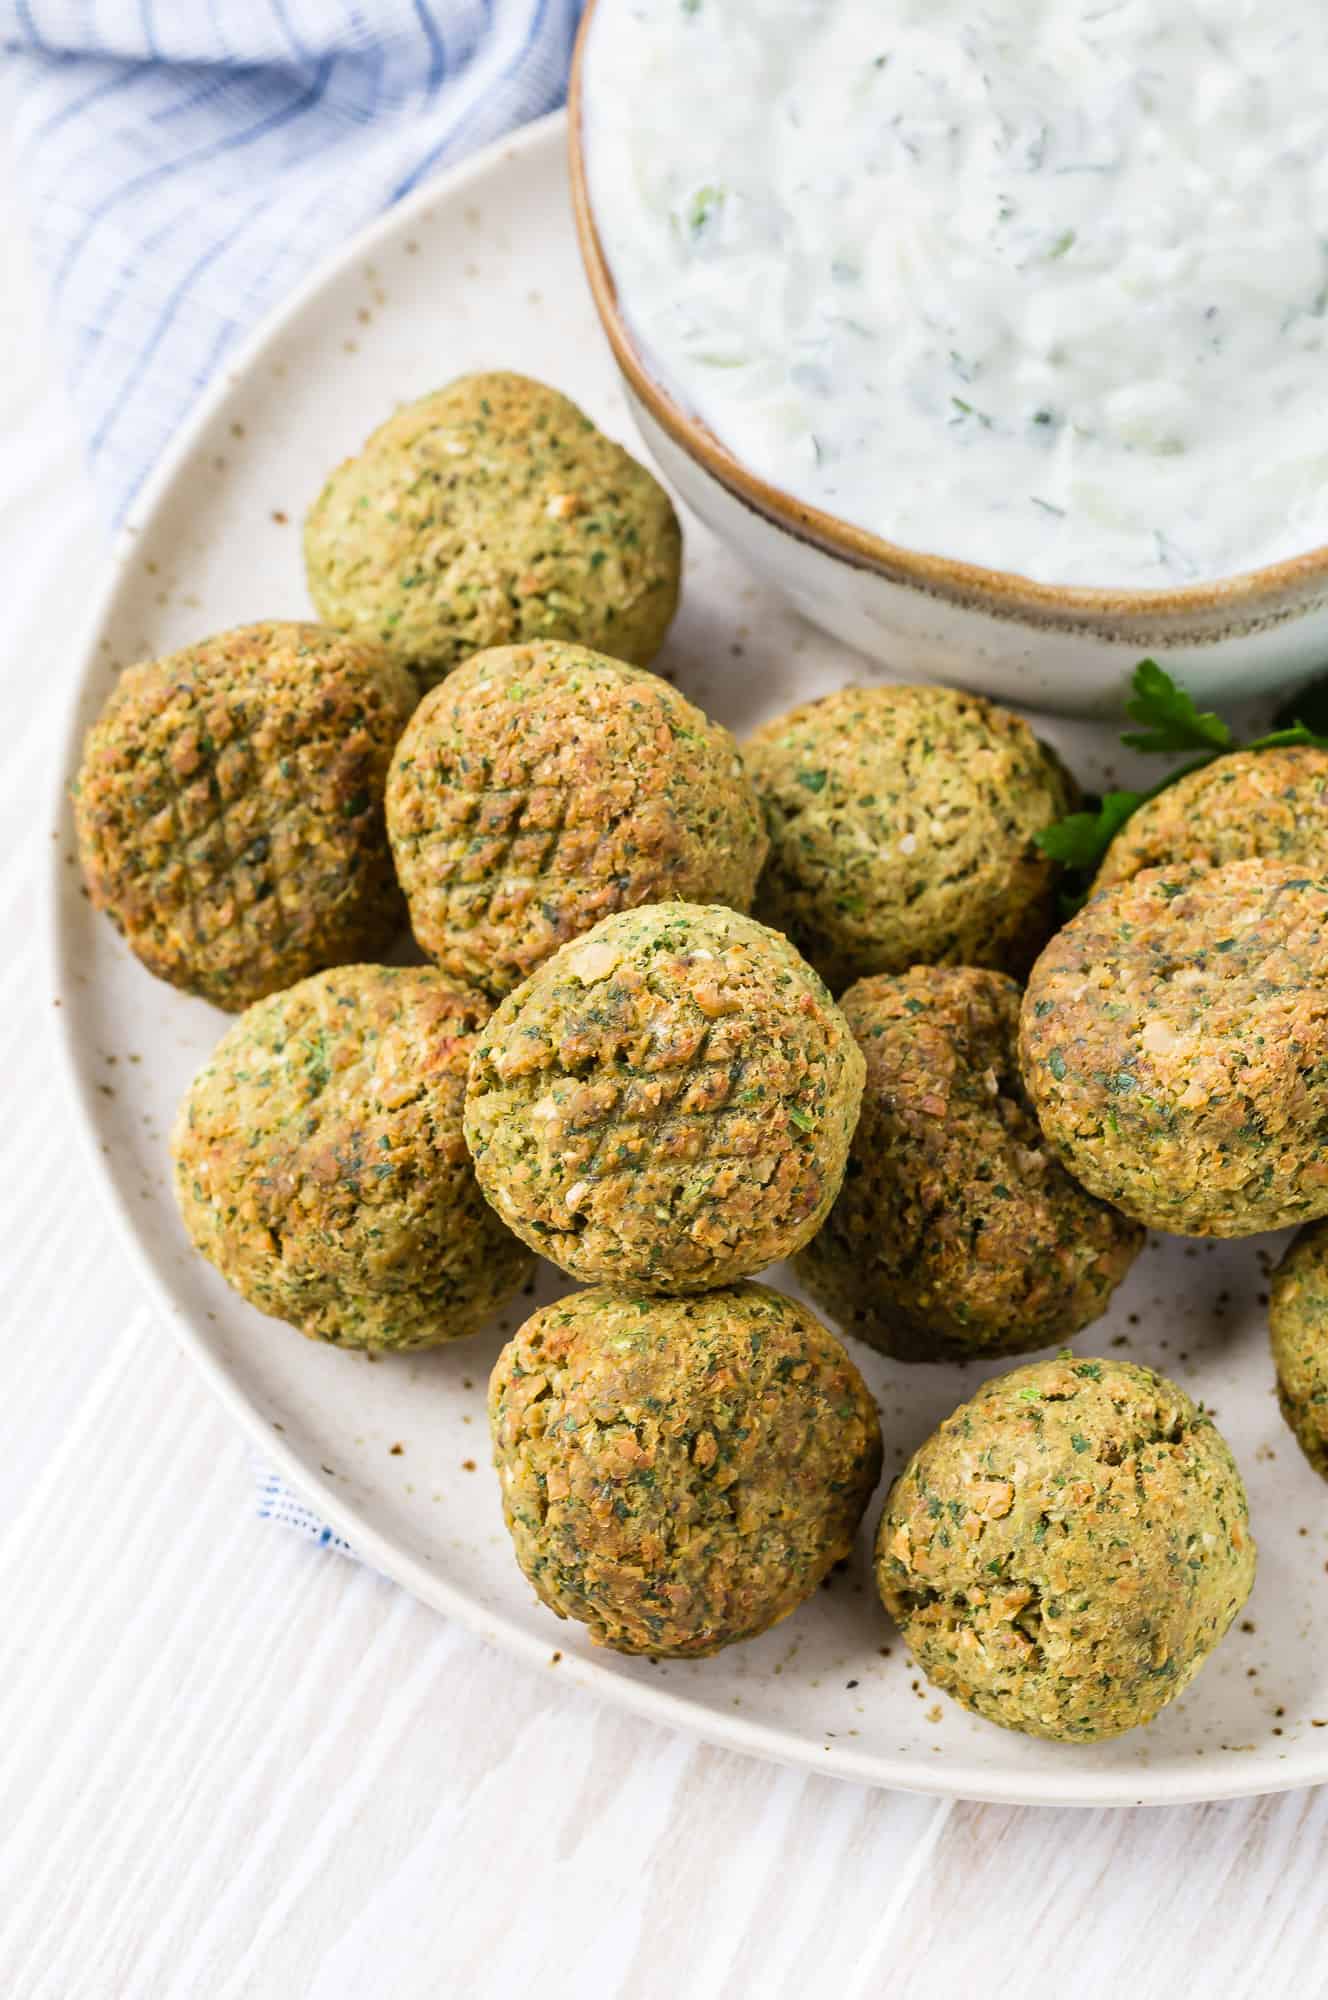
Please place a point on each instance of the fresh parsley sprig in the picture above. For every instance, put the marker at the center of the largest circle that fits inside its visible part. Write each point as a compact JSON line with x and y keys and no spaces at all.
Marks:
{"x":1171,"y":722}
{"x":1080,"y":839}
{"x":1169,"y":725}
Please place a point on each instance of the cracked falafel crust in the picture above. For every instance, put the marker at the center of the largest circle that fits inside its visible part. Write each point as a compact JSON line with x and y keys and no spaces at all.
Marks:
{"x":666,"y":1102}
{"x":902,"y":824}
{"x":320,"y":1164}
{"x":540,"y":788}
{"x":1064,"y":1553}
{"x":957,"y":1232}
{"x":1174,"y":1041}
{"x":229,"y":808}
{"x":680,"y":1474}
{"x":494,"y":513}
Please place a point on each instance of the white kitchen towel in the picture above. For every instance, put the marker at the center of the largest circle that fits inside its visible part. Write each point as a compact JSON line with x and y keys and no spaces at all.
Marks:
{"x":186,"y":162}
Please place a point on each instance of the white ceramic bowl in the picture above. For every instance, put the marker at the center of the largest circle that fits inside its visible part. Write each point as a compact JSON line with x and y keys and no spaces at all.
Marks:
{"x":1068,"y":650}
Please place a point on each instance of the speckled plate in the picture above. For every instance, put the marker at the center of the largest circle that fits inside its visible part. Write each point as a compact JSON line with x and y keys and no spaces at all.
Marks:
{"x":480,"y":270}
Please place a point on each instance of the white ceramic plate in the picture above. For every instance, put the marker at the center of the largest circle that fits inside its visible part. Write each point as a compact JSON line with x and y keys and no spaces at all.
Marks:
{"x":480,"y":270}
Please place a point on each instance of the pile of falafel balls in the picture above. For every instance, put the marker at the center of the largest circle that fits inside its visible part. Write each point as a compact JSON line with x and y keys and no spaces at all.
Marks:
{"x":609,"y":1062}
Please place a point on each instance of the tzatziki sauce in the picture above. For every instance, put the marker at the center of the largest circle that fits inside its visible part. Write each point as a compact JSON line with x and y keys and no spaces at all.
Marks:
{"x":1036,"y":284}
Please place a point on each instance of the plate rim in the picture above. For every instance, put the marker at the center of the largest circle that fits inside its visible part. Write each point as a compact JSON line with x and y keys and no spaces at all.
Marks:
{"x":955,"y":1777}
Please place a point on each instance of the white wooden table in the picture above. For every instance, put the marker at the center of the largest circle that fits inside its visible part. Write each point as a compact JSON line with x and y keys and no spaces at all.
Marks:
{"x":232,"y":1763}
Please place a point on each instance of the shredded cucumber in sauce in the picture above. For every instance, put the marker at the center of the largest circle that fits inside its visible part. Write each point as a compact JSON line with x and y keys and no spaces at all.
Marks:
{"x":1037,"y":284}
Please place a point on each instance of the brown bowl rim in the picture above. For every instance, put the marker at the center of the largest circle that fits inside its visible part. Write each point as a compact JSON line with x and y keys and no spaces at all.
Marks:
{"x":1265,"y":590}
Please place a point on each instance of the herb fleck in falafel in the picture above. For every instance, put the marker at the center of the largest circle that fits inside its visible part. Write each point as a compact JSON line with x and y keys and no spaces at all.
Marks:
{"x":320,"y":1165}
{"x":678,"y":1474}
{"x":1298,"y":1320}
{"x":902,"y":823}
{"x":542,"y":787}
{"x":492,"y":513}
{"x":1064,"y":1553}
{"x":1174,"y":1041}
{"x":667,"y":1102}
{"x":229,"y":808}
{"x":957,"y":1232}
{"x":1255,"y":802}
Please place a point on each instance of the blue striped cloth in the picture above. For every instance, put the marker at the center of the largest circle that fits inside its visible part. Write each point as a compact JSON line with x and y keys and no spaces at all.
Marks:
{"x":186,"y":162}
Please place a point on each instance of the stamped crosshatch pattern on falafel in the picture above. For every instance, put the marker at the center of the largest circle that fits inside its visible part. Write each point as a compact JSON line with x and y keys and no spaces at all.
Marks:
{"x":229,"y":808}
{"x":1174,"y":1040}
{"x":680,"y":1474}
{"x":957,"y":1232}
{"x":320,"y":1163}
{"x":542,"y":787}
{"x":494,"y":513}
{"x":667,"y":1101}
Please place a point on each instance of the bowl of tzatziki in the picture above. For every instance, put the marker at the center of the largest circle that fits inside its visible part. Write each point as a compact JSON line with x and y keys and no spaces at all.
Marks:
{"x":994,"y":335}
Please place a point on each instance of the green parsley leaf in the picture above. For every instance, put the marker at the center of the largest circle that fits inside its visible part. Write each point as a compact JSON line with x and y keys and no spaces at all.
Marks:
{"x":1291,"y":738}
{"x":1081,"y":839}
{"x":1172,"y":722}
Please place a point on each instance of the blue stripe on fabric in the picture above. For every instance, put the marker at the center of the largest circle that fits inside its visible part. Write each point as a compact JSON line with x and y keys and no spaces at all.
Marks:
{"x":26,"y":21}
{"x":298,"y":48}
{"x":297,"y":226}
{"x":120,"y":78}
{"x":210,"y":88}
{"x":232,"y":143}
{"x":136,"y":168}
{"x":108,"y":305}
{"x":109,"y":302}
{"x":456,"y":137}
{"x":373,"y":85}
{"x":437,"y":47}
{"x":173,"y":304}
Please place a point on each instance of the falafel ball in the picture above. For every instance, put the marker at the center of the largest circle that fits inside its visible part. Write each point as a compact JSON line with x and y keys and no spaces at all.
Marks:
{"x":493,"y":513}
{"x":542,"y":787}
{"x":319,"y":1162}
{"x":229,"y":808}
{"x":902,"y":823}
{"x":679,"y":1474}
{"x":1255,"y":802}
{"x":1174,"y":1041}
{"x":1298,"y":1320}
{"x":667,"y":1102}
{"x":1064,"y":1553}
{"x":957,"y":1232}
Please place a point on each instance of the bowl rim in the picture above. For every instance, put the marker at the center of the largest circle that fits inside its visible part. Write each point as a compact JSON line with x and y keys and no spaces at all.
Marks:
{"x":1262,"y":593}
